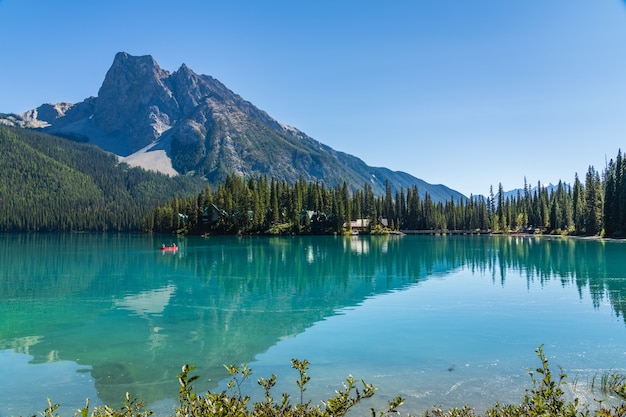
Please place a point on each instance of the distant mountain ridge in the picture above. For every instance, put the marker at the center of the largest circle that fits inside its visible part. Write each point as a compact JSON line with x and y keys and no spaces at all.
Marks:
{"x":185,"y":123}
{"x":550,"y":188}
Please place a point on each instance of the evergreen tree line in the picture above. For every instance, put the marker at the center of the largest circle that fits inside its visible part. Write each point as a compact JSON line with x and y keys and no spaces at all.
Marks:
{"x":614,"y":211}
{"x":272,"y":206}
{"x":261,"y":206}
{"x":265,"y":205}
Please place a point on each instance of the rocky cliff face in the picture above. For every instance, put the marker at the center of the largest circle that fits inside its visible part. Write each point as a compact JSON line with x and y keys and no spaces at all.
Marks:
{"x":182,"y":122}
{"x":136,"y":101}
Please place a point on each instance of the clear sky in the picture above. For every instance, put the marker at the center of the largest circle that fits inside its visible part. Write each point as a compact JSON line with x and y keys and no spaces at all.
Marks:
{"x":463,"y":93}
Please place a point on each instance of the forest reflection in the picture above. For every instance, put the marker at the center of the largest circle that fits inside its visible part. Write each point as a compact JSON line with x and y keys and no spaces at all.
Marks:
{"x":55,"y":267}
{"x":133,"y":314}
{"x":598,"y":265}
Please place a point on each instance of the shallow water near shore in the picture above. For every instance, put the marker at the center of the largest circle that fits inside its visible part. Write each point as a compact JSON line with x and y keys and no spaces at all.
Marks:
{"x":440,"y":320}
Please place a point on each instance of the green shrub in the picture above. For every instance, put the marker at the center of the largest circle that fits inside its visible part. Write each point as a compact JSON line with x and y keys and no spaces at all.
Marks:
{"x":546,"y":398}
{"x":234,"y":403}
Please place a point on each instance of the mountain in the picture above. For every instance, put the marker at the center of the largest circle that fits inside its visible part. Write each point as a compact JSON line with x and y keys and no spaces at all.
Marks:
{"x":185,"y":123}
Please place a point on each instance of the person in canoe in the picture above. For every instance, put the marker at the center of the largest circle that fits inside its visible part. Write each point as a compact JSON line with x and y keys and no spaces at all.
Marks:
{"x":171,"y":247}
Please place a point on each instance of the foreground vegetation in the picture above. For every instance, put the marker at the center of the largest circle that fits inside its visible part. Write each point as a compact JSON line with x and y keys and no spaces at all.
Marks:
{"x":545,"y":398}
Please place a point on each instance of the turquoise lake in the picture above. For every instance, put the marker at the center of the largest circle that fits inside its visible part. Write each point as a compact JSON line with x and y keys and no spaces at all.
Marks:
{"x":440,"y":320}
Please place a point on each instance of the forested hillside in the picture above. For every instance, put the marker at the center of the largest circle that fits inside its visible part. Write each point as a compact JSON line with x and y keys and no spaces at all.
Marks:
{"x":52,"y":184}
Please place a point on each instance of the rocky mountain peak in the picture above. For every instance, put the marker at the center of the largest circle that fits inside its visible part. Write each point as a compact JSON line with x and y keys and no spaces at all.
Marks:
{"x":187,"y":123}
{"x":185,"y":69}
{"x":47,"y":114}
{"x":136,"y":100}
{"x":188,"y":88}
{"x":136,"y":72}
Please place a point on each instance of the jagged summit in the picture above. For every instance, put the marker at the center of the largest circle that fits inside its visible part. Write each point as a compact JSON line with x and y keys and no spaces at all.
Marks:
{"x":184,"y":68}
{"x":186,"y":123}
{"x":135,"y":100}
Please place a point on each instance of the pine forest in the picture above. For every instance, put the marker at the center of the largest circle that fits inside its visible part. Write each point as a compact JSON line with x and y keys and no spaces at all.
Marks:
{"x":259,"y":206}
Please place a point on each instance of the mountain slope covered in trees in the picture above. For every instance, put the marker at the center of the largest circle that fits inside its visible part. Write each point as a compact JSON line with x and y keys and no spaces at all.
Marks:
{"x":52,"y":184}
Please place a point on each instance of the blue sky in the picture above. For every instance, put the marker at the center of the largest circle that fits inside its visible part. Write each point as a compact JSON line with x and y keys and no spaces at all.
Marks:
{"x":463,"y":93}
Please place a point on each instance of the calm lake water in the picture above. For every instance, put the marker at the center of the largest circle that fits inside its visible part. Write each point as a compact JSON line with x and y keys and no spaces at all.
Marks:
{"x":438,"y":320}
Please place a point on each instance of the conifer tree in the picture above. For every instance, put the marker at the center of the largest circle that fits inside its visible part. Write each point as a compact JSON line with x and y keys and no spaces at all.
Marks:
{"x":593,"y":202}
{"x":578,"y":206}
{"x":500,"y":213}
{"x":620,"y":194}
{"x":611,"y":200}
